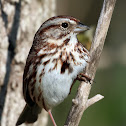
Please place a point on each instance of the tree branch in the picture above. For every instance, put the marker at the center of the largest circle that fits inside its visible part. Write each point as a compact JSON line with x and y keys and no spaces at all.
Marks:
{"x":93,"y":100}
{"x":81,"y":101}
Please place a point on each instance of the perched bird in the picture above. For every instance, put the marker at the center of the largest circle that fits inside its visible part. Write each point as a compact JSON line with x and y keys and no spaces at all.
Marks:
{"x":55,"y":61}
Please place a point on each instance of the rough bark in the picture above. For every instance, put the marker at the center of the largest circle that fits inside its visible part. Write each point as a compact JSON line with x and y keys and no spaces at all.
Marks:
{"x":19,"y":20}
{"x":81,"y":101}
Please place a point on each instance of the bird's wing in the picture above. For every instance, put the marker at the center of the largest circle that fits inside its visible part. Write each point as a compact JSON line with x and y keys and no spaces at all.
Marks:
{"x":29,"y":76}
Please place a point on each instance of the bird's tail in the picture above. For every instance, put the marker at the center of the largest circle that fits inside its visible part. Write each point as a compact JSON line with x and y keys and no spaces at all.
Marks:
{"x":29,"y":114}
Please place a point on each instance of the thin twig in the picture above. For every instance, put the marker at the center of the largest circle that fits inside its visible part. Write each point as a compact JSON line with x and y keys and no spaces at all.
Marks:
{"x":81,"y":101}
{"x":93,"y":100}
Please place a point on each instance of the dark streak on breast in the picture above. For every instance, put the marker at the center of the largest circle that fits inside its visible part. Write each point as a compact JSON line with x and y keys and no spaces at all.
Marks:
{"x":64,"y":66}
{"x":67,"y":57}
{"x":54,"y":60}
{"x":41,"y":73}
{"x":79,"y":50}
{"x":66,"y":41}
{"x":60,"y":57}
{"x":81,"y":57}
{"x":40,"y":93}
{"x":40,"y":80}
{"x":55,"y":66}
{"x":32,"y":84}
{"x":84,"y":50}
{"x":42,"y":56}
{"x":46,"y":62}
{"x":72,"y":56}
{"x":39,"y":97}
{"x":44,"y":45}
{"x":33,"y":75}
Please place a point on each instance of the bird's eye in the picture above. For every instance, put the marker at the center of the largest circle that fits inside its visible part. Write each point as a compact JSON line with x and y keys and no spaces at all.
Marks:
{"x":65,"y":25}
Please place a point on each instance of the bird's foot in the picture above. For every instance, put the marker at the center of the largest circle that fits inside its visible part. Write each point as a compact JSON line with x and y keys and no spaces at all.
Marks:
{"x":83,"y":77}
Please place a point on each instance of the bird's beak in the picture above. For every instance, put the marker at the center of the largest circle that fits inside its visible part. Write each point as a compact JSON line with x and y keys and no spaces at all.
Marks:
{"x":81,"y":28}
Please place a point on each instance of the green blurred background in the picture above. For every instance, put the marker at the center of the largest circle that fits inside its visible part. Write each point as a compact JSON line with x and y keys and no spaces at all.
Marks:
{"x":111,"y":74}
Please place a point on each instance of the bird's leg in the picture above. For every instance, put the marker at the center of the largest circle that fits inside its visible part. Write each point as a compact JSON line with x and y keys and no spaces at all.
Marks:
{"x":83,"y":77}
{"x":51,"y":116}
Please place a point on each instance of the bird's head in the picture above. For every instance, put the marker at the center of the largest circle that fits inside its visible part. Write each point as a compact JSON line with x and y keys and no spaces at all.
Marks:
{"x":61,"y":26}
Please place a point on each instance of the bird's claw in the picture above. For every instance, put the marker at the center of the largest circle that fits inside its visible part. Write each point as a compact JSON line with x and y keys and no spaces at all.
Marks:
{"x":83,"y":77}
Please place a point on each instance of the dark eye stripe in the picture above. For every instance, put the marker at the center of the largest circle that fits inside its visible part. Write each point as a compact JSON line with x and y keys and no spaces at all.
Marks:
{"x":48,"y":27}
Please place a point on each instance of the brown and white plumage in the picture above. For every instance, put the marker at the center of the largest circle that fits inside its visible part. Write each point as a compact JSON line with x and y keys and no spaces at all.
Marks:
{"x":55,"y":60}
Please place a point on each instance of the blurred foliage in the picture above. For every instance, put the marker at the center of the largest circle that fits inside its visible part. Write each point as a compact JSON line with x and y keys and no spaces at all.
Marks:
{"x":84,"y":40}
{"x":86,"y":37}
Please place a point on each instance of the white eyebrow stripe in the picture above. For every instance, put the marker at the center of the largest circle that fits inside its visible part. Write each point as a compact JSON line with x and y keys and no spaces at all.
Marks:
{"x":63,"y":20}
{"x":56,"y":21}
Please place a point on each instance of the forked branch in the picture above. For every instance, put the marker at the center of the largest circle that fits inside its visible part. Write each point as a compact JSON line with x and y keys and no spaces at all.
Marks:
{"x":81,"y":101}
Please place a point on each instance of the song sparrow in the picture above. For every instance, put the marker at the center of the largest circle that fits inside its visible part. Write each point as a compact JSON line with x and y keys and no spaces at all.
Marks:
{"x":55,"y":60}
